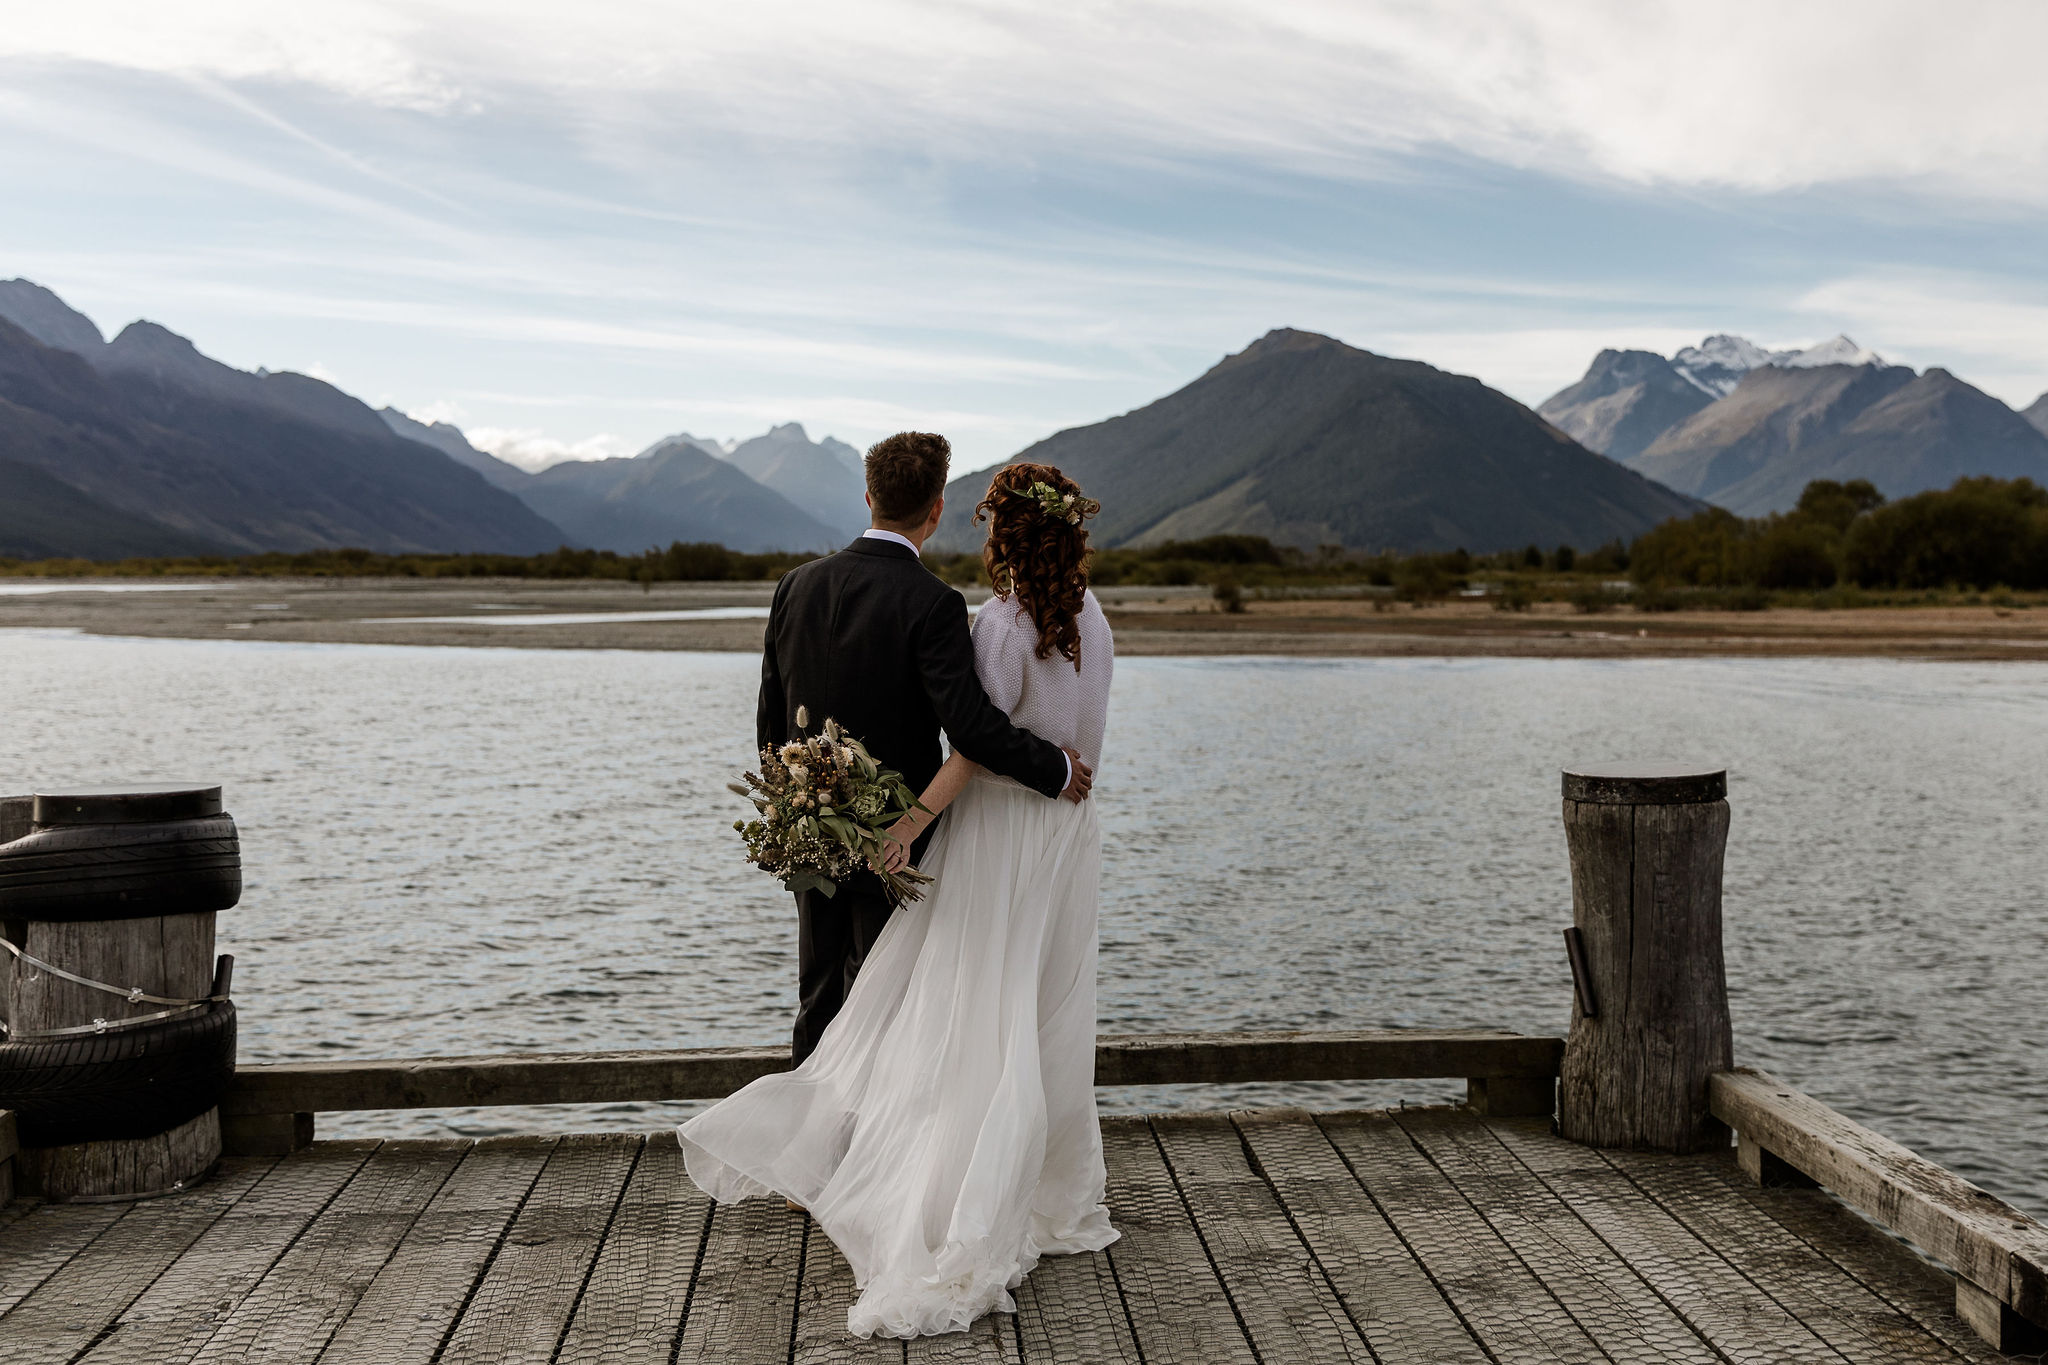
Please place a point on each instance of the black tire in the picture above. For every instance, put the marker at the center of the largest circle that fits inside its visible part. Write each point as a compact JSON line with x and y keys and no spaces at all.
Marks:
{"x":126,"y":1083}
{"x":122,"y":871}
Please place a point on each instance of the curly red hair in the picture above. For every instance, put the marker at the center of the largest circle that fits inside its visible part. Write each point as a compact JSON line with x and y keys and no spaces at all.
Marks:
{"x":1037,"y":550}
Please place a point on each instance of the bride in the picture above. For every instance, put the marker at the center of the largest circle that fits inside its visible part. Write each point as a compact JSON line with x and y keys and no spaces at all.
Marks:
{"x":944,"y":1132}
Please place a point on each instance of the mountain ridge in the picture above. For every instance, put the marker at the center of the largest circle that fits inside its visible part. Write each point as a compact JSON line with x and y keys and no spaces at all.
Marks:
{"x":1309,"y":441}
{"x":1754,"y":451}
{"x":151,"y":428}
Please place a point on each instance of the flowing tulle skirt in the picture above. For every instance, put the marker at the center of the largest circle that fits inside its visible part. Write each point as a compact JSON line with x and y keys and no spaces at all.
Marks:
{"x":944,"y":1133}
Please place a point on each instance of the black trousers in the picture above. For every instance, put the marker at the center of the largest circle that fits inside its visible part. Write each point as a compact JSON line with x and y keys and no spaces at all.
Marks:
{"x":833,"y":936}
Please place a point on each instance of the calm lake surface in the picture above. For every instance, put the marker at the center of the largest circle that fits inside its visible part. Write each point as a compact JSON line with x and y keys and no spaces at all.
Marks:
{"x":485,"y":850}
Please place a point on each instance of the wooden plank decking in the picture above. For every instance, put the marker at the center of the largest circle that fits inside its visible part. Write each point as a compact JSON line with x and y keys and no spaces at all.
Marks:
{"x":1276,"y":1236}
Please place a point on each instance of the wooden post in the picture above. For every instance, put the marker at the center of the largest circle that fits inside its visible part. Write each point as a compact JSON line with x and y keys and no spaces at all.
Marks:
{"x":9,"y":1145}
{"x":1646,"y":846}
{"x":117,"y":942}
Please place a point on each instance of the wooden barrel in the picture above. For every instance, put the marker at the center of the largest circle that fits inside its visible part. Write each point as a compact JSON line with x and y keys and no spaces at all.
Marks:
{"x":119,"y":886}
{"x":1646,"y":846}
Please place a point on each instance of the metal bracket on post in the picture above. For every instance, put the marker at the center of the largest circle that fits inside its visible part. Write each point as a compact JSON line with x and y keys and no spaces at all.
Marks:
{"x":1582,"y":975}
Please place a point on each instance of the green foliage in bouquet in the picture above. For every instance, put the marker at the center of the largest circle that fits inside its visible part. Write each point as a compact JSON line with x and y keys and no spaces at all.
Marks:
{"x":823,"y":806}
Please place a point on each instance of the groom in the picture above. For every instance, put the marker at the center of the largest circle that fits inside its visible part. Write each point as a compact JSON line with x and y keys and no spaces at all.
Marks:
{"x":872,"y":639}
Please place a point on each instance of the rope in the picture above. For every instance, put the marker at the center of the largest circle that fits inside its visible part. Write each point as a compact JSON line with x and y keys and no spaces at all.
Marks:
{"x":134,"y":995}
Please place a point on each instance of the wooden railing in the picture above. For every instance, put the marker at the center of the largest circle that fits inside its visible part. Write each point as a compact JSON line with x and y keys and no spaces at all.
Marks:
{"x":270,"y":1107}
{"x":1999,"y":1255}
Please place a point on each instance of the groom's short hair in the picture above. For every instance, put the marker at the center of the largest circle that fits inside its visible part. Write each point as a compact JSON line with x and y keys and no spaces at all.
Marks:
{"x":906,"y":475}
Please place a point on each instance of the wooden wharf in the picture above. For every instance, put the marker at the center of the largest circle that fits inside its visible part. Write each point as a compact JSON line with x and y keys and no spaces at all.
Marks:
{"x":1623,"y":1194}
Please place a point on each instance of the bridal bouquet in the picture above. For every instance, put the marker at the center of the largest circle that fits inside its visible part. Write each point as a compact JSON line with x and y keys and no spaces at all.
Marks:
{"x":823,"y":806}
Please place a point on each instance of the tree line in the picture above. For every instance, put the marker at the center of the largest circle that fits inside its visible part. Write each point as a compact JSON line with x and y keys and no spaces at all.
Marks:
{"x":1980,"y":533}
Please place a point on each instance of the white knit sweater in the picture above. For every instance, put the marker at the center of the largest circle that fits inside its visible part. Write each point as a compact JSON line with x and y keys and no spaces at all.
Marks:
{"x":1049,"y":697}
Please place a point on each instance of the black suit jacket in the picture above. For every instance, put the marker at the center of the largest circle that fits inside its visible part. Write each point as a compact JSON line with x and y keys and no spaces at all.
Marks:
{"x":874,"y":640}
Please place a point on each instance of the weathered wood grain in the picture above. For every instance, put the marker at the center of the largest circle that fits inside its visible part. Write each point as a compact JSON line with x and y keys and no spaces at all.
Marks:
{"x":711,"y":1073}
{"x":826,"y":1292}
{"x":288,"y":1318}
{"x":1596,"y":1286}
{"x":265,"y":1134}
{"x":1068,"y":1309}
{"x":184,"y":1306}
{"x":1504,"y":1305}
{"x":37,"y":1246}
{"x":632,"y":1309}
{"x":1387,"y":1292}
{"x":1882,"y":1263}
{"x":1179,"y":1309}
{"x":1415,"y":1236}
{"x":168,"y":955}
{"x":519,"y":1310}
{"x":991,"y":1341}
{"x":1288,"y":1306}
{"x":1646,"y":895}
{"x":1731,"y":1312}
{"x":411,"y":1306}
{"x":1986,"y":1240}
{"x":743,"y":1307}
{"x":1831,"y":1304}
{"x":66,"y":1312}
{"x":128,"y":1167}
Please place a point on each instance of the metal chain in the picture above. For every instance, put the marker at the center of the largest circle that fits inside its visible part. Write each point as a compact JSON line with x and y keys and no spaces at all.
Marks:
{"x":134,"y":995}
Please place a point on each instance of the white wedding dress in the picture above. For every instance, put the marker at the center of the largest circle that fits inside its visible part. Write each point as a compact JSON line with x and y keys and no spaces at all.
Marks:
{"x":944,"y":1133}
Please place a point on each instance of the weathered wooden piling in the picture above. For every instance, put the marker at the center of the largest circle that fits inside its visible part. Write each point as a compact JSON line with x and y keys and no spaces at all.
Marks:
{"x":115,"y":887}
{"x":1646,"y":847}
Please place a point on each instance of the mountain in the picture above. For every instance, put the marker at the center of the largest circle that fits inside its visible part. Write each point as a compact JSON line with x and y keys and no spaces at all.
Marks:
{"x":1310,"y":442}
{"x":816,"y":477}
{"x":1627,"y":400}
{"x":45,"y":518}
{"x":2037,"y":413}
{"x":449,"y":440}
{"x":855,"y":461}
{"x":1717,"y":364}
{"x":667,"y":492}
{"x":147,"y":426}
{"x":674,"y":490}
{"x":1753,"y":451}
{"x":48,"y":318}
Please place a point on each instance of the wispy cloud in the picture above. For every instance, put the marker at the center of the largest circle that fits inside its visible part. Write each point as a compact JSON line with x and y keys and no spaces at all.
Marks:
{"x":1001,"y":218}
{"x":1748,"y":93}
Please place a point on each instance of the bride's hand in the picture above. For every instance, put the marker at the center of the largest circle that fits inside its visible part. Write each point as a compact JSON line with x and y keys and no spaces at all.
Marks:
{"x":896,"y":841}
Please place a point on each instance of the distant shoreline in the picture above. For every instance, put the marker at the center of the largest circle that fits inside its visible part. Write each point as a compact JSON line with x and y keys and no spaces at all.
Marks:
{"x":1149,"y":621}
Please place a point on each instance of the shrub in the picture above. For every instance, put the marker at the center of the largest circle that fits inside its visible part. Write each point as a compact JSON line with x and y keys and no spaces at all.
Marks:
{"x":1596,"y":597}
{"x":1229,"y":593}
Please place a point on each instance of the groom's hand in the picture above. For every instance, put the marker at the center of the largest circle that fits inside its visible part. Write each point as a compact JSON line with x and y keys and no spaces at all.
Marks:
{"x":1081,"y":781}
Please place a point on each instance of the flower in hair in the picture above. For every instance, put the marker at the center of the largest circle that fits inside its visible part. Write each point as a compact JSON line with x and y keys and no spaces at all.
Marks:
{"x":1067,"y":507}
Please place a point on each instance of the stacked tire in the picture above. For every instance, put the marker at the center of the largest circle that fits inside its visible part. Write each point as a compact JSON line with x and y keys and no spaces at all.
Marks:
{"x":93,"y":881}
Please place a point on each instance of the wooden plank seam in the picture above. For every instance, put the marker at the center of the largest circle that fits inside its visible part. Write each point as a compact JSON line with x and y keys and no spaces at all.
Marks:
{"x":1208,"y":1253}
{"x":1388,"y":1218}
{"x":675,"y":1345}
{"x":1656,"y":1291}
{"x":597,"y":1252}
{"x":1251,"y":1157}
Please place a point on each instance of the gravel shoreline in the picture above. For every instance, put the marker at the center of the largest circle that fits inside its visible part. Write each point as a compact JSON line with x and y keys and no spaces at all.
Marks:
{"x":1148,"y":621}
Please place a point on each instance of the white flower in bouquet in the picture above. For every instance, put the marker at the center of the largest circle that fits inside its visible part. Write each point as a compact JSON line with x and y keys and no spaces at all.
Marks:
{"x":825,"y":806}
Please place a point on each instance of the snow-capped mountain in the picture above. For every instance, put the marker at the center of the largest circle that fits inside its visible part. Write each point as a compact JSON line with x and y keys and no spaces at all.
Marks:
{"x":1717,"y":364}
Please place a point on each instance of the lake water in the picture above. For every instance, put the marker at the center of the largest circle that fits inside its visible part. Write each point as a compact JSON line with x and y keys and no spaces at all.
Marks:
{"x":490,"y":850}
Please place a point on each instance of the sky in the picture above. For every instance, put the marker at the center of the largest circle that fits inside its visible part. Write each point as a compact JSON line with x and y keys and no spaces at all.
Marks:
{"x":574,"y":229}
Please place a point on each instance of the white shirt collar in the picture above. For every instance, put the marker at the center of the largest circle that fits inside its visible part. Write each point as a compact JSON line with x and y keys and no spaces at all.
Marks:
{"x":877,"y":533}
